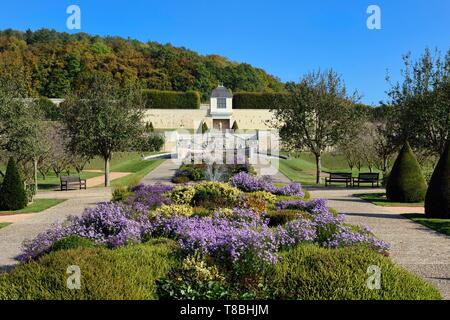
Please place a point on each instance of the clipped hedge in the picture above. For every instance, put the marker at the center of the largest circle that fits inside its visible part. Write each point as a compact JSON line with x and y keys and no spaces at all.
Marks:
{"x":437,"y":201}
{"x":406,"y":182}
{"x":125,"y":273}
{"x":257,"y":100}
{"x":13,"y":195}
{"x":309,"y":272}
{"x":156,"y":99}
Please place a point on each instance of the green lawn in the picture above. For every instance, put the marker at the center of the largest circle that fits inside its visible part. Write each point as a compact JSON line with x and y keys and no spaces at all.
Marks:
{"x":439,"y":225}
{"x":37,"y":206}
{"x":302,"y":168}
{"x":139,"y":170}
{"x":379,"y":199}
{"x":4,"y":224}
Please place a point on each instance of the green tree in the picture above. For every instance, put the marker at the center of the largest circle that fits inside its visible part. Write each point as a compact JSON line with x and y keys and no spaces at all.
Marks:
{"x":316,"y":116}
{"x":437,"y":200}
{"x":406,"y":182}
{"x":204,"y":128}
{"x":235,"y":126}
{"x":103,"y":119}
{"x":12,"y":191}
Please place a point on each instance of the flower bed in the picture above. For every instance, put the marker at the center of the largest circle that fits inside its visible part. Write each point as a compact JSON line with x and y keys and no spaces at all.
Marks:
{"x":249,"y":183}
{"x":226,"y":251}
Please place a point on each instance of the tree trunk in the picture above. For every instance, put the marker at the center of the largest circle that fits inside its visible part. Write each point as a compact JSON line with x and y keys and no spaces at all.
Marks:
{"x":107,"y":182}
{"x":318,"y":168}
{"x":35,"y":166}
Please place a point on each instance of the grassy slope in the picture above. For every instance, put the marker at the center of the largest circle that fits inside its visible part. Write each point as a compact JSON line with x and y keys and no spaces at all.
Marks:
{"x":37,"y":206}
{"x":439,"y":225}
{"x":139,"y":169}
{"x":4,"y":224}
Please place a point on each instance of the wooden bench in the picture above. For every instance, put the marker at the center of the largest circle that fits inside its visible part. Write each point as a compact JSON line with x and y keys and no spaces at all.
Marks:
{"x":67,"y":181}
{"x":367,"y":178}
{"x":339,"y":178}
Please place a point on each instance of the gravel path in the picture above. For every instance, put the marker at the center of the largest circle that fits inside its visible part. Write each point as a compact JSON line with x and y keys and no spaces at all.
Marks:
{"x":416,"y":247}
{"x":30,"y":225}
{"x":163,"y":173}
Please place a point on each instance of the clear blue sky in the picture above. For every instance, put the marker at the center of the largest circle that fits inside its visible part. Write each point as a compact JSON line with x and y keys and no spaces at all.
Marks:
{"x":286,"y":38}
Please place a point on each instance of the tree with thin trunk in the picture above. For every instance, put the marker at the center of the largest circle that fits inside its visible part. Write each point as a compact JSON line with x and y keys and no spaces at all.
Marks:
{"x":103,"y":119}
{"x":316,"y":114}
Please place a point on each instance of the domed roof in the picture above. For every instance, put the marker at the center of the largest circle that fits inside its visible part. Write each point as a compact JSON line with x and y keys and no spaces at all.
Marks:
{"x":221,"y":92}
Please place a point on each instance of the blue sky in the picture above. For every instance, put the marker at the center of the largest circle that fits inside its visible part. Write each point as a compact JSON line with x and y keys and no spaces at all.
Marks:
{"x":285,"y":37}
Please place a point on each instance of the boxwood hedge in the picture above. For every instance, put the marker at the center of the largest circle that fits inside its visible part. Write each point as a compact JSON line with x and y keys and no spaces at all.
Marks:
{"x":256,"y":100}
{"x":156,"y":99}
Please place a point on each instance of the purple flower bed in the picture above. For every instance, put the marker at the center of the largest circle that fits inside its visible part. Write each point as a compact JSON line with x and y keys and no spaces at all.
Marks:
{"x":249,"y":183}
{"x":242,"y":238}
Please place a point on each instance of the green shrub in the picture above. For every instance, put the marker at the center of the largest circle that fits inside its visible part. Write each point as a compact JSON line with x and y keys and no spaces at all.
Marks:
{"x":204,"y":128}
{"x":156,"y":99}
{"x":406,"y":182}
{"x":437,"y":200}
{"x":257,"y":100}
{"x":215,"y":194}
{"x":235,"y":126}
{"x":309,"y":272}
{"x":13,"y":195}
{"x":48,"y":108}
{"x":180,"y":179}
{"x":120,"y":193}
{"x":72,"y":242}
{"x":125,"y":273}
{"x":281,"y":217}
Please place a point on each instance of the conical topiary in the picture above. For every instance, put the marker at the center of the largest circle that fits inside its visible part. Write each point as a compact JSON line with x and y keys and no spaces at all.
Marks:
{"x":437,"y":201}
{"x":235,"y":126}
{"x":406,"y":182}
{"x":12,"y":191}
{"x":204,"y":127}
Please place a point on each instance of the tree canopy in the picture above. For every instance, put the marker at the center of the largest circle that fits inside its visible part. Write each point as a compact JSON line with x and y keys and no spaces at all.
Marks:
{"x":57,"y":63}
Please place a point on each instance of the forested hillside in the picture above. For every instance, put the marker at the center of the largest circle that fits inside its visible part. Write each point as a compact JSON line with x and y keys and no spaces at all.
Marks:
{"x":54,"y":63}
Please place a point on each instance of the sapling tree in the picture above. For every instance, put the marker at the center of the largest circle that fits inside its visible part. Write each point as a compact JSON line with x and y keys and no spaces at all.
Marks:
{"x":316,"y":114}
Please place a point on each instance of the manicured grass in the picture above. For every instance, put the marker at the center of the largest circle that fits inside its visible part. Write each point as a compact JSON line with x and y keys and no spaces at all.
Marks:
{"x":379,"y":199}
{"x":439,"y":225}
{"x":140,"y":170}
{"x":117,"y":160}
{"x":37,"y":206}
{"x":4,"y":224}
{"x":302,"y":168}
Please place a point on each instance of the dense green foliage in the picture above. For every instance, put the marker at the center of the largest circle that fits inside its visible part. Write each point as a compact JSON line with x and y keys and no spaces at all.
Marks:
{"x":314,"y":273}
{"x":72,"y":242}
{"x":126,"y":273}
{"x":55,"y":63}
{"x":257,"y":100}
{"x":12,"y":191}
{"x":406,"y":182}
{"x":437,"y":200}
{"x":48,"y":109}
{"x":157,"y":99}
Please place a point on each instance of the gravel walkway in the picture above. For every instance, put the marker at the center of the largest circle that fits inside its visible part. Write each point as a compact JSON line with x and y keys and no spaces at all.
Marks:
{"x":163,"y":173}
{"x":30,"y":225}
{"x":416,"y":247}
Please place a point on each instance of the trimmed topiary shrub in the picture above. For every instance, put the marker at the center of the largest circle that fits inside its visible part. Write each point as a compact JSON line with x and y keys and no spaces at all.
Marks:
{"x":257,"y":100}
{"x":156,"y":99}
{"x":406,"y":182}
{"x":12,"y":192}
{"x":437,"y":200}
{"x":204,"y":128}
{"x":128,"y":273}
{"x":235,"y":126}
{"x":72,"y":242}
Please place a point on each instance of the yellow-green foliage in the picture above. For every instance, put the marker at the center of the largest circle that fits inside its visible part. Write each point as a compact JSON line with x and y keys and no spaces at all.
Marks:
{"x":263,"y":195}
{"x":182,"y":194}
{"x":125,"y":273}
{"x":314,"y":273}
{"x":174,"y":210}
{"x":120,"y":193}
